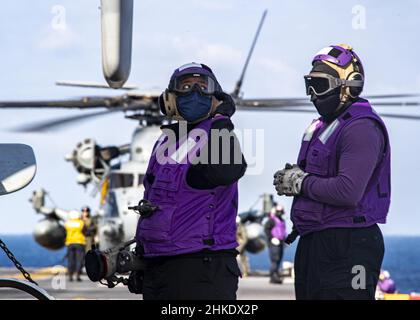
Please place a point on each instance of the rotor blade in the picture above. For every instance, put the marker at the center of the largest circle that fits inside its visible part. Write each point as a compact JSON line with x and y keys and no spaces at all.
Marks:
{"x":385,"y":115}
{"x":304,"y":100}
{"x":399,"y":116}
{"x":238,"y":85}
{"x":297,"y":108}
{"x":390,"y":96}
{"x":396,"y":104}
{"x":54,"y":124}
{"x":260,"y":104}
{"x":89,"y":84}
{"x":281,"y":102}
{"x":81,"y":103}
{"x":60,"y":122}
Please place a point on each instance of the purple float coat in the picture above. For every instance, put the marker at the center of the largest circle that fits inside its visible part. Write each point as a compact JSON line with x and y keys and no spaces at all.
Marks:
{"x":279,"y":229}
{"x":387,"y":286}
{"x":188,"y":220}
{"x":349,"y":165}
{"x":363,"y":136}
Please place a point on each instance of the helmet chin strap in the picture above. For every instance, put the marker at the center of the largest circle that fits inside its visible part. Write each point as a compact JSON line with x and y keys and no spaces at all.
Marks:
{"x":214,"y":104}
{"x":344,"y":103}
{"x":344,"y":98}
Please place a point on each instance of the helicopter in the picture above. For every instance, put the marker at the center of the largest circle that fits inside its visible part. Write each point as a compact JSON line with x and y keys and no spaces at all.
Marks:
{"x":120,"y":181}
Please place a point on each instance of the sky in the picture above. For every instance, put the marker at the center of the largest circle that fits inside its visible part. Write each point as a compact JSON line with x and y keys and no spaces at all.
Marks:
{"x":35,"y":53}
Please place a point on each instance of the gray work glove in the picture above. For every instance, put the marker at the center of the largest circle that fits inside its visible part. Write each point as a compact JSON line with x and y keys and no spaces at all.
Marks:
{"x":288,"y":181}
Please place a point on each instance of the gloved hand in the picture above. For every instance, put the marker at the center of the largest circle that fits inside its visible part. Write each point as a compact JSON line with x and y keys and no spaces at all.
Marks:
{"x":228,"y":107}
{"x":288,"y":181}
{"x":135,"y":282}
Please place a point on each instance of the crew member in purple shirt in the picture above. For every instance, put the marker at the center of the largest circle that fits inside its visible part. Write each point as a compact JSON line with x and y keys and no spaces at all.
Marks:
{"x":340,"y":184}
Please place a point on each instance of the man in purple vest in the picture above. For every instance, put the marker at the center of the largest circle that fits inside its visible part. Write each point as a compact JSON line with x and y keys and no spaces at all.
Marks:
{"x":275,"y":231}
{"x":386,"y":284}
{"x":188,"y":240}
{"x":341,"y":184}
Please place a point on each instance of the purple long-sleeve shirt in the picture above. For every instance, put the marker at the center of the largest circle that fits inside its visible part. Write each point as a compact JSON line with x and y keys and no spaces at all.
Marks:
{"x":360,"y":147}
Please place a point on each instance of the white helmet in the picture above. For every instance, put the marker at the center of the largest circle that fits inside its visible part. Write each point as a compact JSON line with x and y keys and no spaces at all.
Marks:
{"x":74,"y":214}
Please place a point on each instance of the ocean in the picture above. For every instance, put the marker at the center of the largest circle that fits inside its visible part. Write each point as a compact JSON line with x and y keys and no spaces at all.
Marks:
{"x":402,"y":258}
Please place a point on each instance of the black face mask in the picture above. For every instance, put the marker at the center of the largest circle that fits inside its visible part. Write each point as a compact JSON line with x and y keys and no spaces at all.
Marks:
{"x":327,"y":105}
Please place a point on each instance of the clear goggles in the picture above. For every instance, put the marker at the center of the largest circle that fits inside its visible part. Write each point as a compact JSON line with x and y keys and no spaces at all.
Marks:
{"x":194,"y":82}
{"x":322,"y":83}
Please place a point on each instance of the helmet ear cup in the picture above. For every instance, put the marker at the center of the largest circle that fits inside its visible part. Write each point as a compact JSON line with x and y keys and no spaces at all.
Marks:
{"x":354,"y":92}
{"x":161,"y":103}
{"x":167,"y":104}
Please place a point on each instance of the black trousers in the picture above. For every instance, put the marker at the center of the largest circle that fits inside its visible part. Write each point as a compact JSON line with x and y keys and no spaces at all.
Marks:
{"x":75,"y":256}
{"x":191,"y":278}
{"x":340,"y":263}
{"x":276,"y":255}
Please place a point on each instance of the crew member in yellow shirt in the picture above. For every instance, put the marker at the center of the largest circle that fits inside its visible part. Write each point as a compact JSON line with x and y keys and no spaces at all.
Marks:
{"x":75,"y":242}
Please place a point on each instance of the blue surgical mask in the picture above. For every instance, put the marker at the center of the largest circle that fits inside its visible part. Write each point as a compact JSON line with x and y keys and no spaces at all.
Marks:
{"x":193,"y":106}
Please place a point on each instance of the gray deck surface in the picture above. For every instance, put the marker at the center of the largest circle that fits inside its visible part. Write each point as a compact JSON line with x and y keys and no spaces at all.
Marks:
{"x":250,"y":288}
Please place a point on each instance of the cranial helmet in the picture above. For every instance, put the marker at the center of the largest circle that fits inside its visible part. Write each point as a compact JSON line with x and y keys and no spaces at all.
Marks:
{"x":277,"y":209}
{"x":74,"y":214}
{"x":346,"y":63}
{"x":167,"y":100}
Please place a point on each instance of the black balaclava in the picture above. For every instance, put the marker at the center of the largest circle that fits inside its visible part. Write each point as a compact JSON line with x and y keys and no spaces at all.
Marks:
{"x":327,"y":104}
